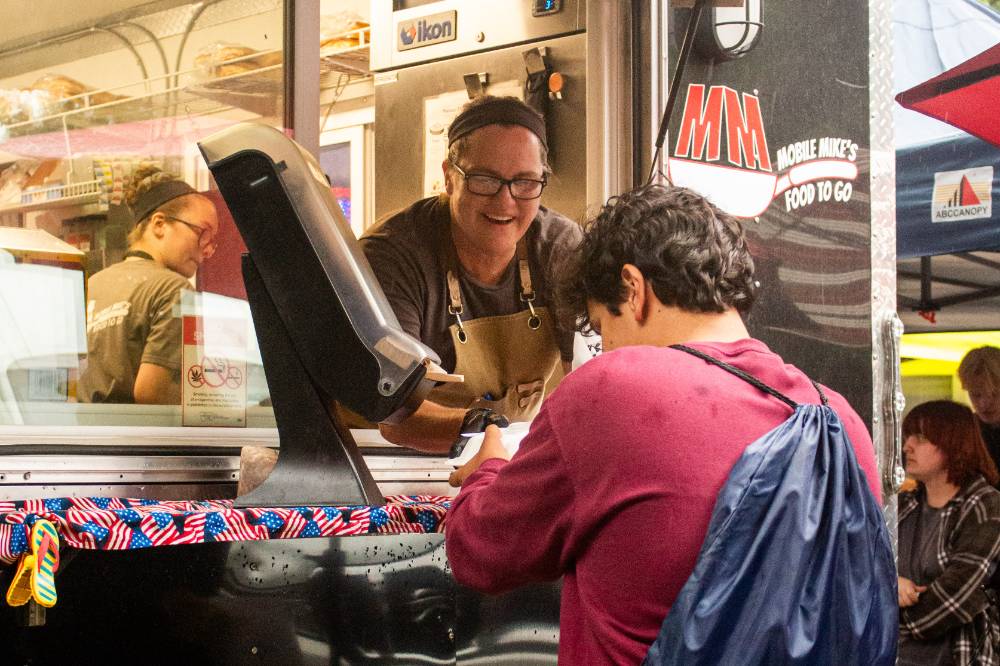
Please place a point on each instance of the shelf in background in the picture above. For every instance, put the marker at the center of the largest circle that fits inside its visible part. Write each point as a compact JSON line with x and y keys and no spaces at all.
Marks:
{"x":57,"y":196}
{"x":352,"y":61}
{"x":185,"y":106}
{"x":258,"y":91}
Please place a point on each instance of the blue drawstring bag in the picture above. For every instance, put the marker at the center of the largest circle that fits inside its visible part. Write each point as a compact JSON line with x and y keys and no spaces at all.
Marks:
{"x":797,"y":566}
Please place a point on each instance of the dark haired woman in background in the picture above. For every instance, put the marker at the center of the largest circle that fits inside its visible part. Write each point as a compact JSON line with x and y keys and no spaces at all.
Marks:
{"x":949,"y":540}
{"x":133,"y":331}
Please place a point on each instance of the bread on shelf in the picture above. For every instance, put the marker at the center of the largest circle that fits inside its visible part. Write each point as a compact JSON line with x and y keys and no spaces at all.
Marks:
{"x":343,"y":30}
{"x":49,"y":95}
{"x":66,"y":93}
{"x":220,"y":59}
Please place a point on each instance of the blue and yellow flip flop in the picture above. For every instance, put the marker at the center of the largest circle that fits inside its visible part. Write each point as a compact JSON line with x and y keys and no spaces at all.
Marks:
{"x":45,"y":546}
{"x":35,"y":575}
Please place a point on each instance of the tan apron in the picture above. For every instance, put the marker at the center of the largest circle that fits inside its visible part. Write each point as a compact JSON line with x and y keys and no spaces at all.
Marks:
{"x":510,"y":362}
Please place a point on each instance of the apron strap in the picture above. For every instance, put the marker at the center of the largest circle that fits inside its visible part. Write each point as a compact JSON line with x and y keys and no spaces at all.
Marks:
{"x":524,"y":272}
{"x":527,"y":290}
{"x":449,"y":264}
{"x":455,"y":307}
{"x":748,"y":377}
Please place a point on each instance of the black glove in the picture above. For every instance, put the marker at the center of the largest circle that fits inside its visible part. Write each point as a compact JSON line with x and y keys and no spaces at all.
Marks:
{"x":476,"y":421}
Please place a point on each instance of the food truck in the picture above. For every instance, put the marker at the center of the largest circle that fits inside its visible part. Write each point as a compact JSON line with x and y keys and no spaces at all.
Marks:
{"x":306,"y":121}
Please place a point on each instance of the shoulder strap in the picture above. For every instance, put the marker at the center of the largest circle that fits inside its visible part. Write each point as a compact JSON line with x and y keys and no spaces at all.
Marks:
{"x":748,"y":377}
{"x":449,"y":262}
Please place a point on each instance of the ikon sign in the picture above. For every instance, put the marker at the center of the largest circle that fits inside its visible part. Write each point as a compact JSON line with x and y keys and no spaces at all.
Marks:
{"x":426,"y":30}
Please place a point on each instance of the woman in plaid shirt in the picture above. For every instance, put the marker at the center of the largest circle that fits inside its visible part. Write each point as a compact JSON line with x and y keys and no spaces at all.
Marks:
{"x":949,"y":541}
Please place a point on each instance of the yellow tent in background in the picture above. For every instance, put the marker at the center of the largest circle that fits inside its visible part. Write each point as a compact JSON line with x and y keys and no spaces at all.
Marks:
{"x":930,"y":363}
{"x":940,"y":353}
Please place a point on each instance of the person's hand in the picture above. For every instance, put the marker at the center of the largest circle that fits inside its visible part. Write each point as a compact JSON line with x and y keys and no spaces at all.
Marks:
{"x":492,"y":447}
{"x":256,"y":463}
{"x":477,"y":420}
{"x":909,"y":592}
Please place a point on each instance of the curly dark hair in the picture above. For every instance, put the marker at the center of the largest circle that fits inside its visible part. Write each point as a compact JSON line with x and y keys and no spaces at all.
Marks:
{"x":694,"y":255}
{"x":952,"y":428}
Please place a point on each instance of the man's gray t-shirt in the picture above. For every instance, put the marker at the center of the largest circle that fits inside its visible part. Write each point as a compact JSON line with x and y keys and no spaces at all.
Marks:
{"x":130,"y":321}
{"x":404,"y":251}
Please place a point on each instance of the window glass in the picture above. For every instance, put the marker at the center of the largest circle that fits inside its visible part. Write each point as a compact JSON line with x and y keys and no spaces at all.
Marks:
{"x":335,"y":159}
{"x":84,"y":114}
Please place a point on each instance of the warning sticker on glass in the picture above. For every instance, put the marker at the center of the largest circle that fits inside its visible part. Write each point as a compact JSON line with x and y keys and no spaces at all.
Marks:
{"x":214,"y":385}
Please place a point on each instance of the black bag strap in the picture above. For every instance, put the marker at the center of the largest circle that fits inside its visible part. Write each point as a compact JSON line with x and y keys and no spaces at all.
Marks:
{"x":748,"y":377}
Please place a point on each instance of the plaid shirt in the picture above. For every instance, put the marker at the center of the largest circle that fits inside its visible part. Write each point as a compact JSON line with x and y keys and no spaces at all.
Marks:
{"x":956,"y":604}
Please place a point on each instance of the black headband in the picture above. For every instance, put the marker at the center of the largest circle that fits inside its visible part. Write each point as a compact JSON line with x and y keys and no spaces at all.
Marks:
{"x":497,"y":111}
{"x":147,"y":202}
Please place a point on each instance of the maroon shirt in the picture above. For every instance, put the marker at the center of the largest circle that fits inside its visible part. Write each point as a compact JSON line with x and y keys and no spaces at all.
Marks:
{"x":614,"y":487}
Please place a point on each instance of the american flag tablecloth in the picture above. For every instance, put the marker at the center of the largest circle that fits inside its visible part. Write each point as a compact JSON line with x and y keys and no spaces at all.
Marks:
{"x":113,"y":523}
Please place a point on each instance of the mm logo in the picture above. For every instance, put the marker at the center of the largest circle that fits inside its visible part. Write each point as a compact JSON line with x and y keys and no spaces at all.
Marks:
{"x":700,"y":135}
{"x":963,"y":195}
{"x":426,"y":30}
{"x":742,"y":182}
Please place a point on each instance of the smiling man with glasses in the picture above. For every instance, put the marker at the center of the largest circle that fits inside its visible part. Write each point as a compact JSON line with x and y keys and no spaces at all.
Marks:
{"x":468,"y":274}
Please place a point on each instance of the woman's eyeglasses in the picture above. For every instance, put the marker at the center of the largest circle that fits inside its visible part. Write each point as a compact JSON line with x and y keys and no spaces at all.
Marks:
{"x":487,"y":186}
{"x":206,"y":240}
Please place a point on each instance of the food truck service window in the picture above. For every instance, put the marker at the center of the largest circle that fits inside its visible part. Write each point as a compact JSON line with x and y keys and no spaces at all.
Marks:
{"x":121,"y":297}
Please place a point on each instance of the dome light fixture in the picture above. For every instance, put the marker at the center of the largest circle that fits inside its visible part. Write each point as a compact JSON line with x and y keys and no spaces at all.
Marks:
{"x":728,"y":32}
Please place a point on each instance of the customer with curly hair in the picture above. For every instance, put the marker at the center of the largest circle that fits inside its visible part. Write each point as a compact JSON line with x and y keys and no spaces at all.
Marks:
{"x":615,"y":483}
{"x":949,"y":541}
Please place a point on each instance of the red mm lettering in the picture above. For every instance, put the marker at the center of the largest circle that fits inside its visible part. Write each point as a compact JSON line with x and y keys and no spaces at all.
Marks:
{"x":745,"y":133}
{"x":701,"y":125}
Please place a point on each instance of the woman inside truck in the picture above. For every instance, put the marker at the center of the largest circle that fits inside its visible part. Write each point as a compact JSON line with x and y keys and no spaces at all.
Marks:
{"x":949,"y":540}
{"x":133,"y":329}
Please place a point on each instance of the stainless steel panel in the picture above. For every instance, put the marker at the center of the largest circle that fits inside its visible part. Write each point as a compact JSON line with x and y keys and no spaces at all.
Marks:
{"x":399,"y":101}
{"x":154,"y":491}
{"x":210,"y":473}
{"x":302,"y":75}
{"x":887,"y":405}
{"x":481,"y":26}
{"x":648,"y":80}
{"x":62,"y":469}
{"x":134,"y":437}
{"x":610,"y":99}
